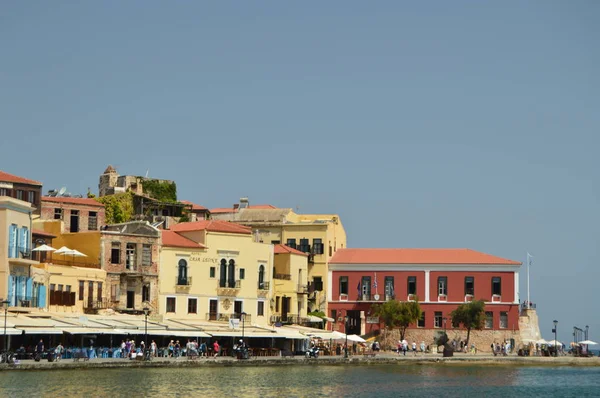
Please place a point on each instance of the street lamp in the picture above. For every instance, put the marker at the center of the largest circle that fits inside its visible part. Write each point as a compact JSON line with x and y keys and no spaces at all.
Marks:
{"x":243,"y":322}
{"x":587,"y":328}
{"x":146,"y":312}
{"x":555,"y":341}
{"x":346,"y":332}
{"x":5,"y":303}
{"x":445,"y":319}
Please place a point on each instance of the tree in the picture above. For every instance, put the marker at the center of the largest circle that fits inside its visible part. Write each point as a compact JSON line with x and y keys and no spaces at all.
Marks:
{"x":397,"y":314}
{"x":471,"y":315}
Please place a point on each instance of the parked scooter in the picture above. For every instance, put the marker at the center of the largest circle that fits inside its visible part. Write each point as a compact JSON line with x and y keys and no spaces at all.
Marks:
{"x":313,"y":352}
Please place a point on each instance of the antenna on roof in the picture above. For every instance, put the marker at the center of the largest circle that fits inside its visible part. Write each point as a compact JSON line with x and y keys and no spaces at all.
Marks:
{"x":61,"y":191}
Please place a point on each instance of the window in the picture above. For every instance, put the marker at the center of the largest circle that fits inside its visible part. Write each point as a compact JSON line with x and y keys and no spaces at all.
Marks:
{"x":31,"y":197}
{"x":3,"y":192}
{"x":12,"y":241}
{"x":52,"y":287}
{"x":261,"y":277}
{"x":223,"y":273}
{"x":291,"y":243}
{"x":170,"y":304}
{"x":68,"y":288}
{"x":212,"y":272}
{"x":275,"y":242}
{"x":115,"y":253}
{"x":19,"y":194}
{"x":242,"y":273}
{"x":389,"y":288}
{"x":470,"y":285}
{"x":146,"y":292}
{"x":99,"y":291}
{"x":192,"y":305}
{"x":503,"y":320}
{"x":497,"y":286}
{"x":304,"y":246}
{"x":92,"y":221}
{"x":366,"y":288}
{"x":318,"y":247}
{"x":114,"y":292}
{"x":437,"y":320}
{"x":318,"y":281}
{"x":442,"y":285}
{"x":343,"y":285}
{"x":489,"y":319}
{"x":412,"y":285}
{"x":58,"y":214}
{"x":182,"y":272}
{"x":60,"y":288}
{"x":130,"y":256}
{"x":277,"y":304}
{"x":260,"y":309}
{"x":330,"y":250}
{"x":334,"y":315}
{"x":231,"y":274}
{"x":146,"y":254}
{"x":421,"y":321}
{"x":81,"y":284}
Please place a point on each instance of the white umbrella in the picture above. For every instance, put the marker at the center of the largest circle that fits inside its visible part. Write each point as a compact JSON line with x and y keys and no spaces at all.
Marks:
{"x":75,"y":253}
{"x":588,"y":342}
{"x":555,"y":342}
{"x":44,"y":248}
{"x":356,"y":339}
{"x":541,"y":342}
{"x":63,"y":250}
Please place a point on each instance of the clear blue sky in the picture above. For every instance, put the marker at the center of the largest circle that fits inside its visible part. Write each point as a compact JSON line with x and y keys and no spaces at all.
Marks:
{"x":424,"y":124}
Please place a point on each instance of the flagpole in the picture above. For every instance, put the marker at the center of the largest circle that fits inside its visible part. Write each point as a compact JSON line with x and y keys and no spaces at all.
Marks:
{"x":528,"y":300}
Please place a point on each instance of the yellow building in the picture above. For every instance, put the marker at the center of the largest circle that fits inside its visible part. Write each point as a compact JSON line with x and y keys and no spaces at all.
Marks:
{"x":290,"y":287}
{"x":214,"y":271}
{"x":319,"y":235}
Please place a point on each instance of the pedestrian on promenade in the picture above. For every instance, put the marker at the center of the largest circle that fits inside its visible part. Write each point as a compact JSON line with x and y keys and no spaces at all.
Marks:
{"x":414,"y":349}
{"x":423,"y":347}
{"x":216,"y":348}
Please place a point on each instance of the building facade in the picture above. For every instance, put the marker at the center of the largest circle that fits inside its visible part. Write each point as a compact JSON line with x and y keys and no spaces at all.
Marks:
{"x":440,"y":279}
{"x":77,"y":214}
{"x":214,"y":270}
{"x":290,"y":285}
{"x":318,"y":235}
{"x":22,"y":189}
{"x":16,"y":282}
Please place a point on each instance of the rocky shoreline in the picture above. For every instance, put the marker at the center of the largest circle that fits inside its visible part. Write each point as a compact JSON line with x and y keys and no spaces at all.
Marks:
{"x":384,"y":359}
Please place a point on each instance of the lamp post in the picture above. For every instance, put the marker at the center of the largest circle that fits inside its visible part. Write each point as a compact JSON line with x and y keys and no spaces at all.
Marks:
{"x":587,"y":328}
{"x":243,"y":322}
{"x":5,"y":303}
{"x":146,"y":312}
{"x":555,"y":341}
{"x":444,"y":319}
{"x":346,"y":332}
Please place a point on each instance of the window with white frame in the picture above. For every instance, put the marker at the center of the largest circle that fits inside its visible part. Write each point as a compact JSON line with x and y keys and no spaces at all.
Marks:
{"x":489,"y":320}
{"x":504,"y":320}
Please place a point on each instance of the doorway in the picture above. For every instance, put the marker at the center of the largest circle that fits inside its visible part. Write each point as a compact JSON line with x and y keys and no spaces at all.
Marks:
{"x":354,"y":325}
{"x":285,"y":308}
{"x":212,"y":310}
{"x":74,"y":221}
{"x":130,"y":300}
{"x":238,"y":308}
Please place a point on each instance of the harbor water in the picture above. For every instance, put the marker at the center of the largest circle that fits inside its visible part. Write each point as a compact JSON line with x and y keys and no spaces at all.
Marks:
{"x":302,"y":381}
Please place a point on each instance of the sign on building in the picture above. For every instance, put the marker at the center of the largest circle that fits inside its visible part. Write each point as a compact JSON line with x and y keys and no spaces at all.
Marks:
{"x":373,"y":319}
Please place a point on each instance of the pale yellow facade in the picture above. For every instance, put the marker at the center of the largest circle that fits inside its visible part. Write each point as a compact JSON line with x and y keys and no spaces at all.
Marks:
{"x":290,"y":287}
{"x":87,"y":243}
{"x":289,"y":228}
{"x":190,"y":280}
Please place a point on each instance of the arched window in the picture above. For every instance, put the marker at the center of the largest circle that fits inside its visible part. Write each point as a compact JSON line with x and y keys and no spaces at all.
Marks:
{"x":261,"y":277}
{"x":223,"y":273}
{"x":231,"y":273}
{"x":182,"y":274}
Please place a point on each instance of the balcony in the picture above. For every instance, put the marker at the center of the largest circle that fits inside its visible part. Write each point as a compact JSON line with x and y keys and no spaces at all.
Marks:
{"x":215,"y":316}
{"x":91,"y":305}
{"x":389,"y":297}
{"x":25,"y":301}
{"x":302,"y":289}
{"x":285,"y":277}
{"x":58,"y":297}
{"x":228,"y":287}
{"x":246,"y":317}
{"x":263,"y":285}
{"x":365,"y":297}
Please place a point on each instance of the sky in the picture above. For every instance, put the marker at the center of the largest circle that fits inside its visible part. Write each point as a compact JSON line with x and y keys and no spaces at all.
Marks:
{"x":422,"y":124}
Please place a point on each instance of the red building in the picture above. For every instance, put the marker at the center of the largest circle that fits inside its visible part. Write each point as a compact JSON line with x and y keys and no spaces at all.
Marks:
{"x":441,"y":279}
{"x":78,"y":214}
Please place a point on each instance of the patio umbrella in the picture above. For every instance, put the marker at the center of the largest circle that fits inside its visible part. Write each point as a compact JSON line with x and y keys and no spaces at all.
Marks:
{"x":44,"y":248}
{"x":62,"y":251}
{"x":75,"y":253}
{"x":588,"y":342}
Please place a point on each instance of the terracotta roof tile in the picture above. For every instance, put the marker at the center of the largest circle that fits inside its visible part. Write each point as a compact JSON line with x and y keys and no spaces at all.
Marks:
{"x":212,"y":226}
{"x":416,"y":256}
{"x":173,"y":239}
{"x":222,"y":210}
{"x":194,"y":206}
{"x":284,"y":249}
{"x":75,"y":201}
{"x":6,"y":177}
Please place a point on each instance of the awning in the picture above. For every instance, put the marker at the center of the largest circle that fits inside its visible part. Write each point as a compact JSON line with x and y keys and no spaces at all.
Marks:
{"x":327,"y":335}
{"x":12,"y":331}
{"x":265,"y":335}
{"x":88,"y":331}
{"x":128,"y":331}
{"x":185,"y":333}
{"x":291,"y":334}
{"x":329,"y":319}
{"x":41,"y":331}
{"x":314,"y":319}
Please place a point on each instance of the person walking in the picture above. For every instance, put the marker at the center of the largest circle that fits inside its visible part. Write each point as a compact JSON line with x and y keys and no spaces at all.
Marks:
{"x":216,"y":348}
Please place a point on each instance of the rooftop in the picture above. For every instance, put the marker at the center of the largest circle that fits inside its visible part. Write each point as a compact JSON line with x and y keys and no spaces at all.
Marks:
{"x":284,"y":249}
{"x":6,"y":177}
{"x":75,"y":201}
{"x":235,"y":210}
{"x":212,"y":226}
{"x":194,"y":205}
{"x":173,"y":239}
{"x":416,"y":256}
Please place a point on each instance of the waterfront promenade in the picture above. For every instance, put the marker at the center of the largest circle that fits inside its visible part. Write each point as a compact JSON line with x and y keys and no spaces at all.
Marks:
{"x":383,"y":358}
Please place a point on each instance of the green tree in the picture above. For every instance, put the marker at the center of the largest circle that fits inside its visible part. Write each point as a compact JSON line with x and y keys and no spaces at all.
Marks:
{"x":470,"y":315}
{"x":398,"y":314}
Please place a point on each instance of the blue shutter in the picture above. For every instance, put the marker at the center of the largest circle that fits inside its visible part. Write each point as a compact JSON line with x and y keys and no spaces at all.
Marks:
{"x":25,"y":239}
{"x":11,"y":290}
{"x":29,"y":289}
{"x":12,"y":242}
{"x":20,"y":288}
{"x":42,"y":296}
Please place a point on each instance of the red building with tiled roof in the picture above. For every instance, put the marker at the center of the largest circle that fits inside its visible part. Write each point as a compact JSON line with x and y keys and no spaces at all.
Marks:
{"x":441,"y":279}
{"x":78,"y":214}
{"x":21,"y":188}
{"x":212,"y":226}
{"x":196,"y":212}
{"x":173,"y":239}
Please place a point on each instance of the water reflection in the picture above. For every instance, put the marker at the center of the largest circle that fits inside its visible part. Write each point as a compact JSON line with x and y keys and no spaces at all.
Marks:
{"x":300,"y":381}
